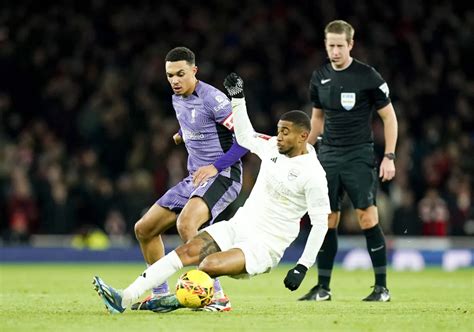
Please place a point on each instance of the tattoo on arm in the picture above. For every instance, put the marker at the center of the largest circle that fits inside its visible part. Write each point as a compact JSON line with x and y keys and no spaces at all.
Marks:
{"x":209,"y":246}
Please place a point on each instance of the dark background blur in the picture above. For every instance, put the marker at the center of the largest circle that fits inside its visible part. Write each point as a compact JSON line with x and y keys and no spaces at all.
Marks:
{"x":86,"y":119}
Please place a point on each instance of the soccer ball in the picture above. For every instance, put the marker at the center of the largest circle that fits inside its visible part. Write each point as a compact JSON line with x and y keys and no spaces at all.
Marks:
{"x":195,"y":289}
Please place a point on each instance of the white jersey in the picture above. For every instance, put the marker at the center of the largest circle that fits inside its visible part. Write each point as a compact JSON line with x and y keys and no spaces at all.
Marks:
{"x":286,"y":188}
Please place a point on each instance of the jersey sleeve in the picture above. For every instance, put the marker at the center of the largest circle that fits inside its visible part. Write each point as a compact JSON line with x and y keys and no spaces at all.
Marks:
{"x":244,"y":132}
{"x":317,"y":198}
{"x":313,"y":91}
{"x":379,"y":90}
{"x":219,"y":105}
{"x":315,"y":239}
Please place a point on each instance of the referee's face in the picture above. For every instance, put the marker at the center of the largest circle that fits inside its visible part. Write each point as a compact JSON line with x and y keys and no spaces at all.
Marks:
{"x":338,"y":49}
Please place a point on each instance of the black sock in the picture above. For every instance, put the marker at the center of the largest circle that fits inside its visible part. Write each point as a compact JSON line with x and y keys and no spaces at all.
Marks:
{"x":378,"y":253}
{"x":326,"y":256}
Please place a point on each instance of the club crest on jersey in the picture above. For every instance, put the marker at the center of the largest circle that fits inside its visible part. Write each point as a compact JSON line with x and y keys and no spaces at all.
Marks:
{"x":293,"y":174}
{"x":348,"y":100}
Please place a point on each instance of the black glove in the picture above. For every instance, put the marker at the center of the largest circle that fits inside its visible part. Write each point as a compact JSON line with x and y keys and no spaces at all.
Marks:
{"x":234,"y":85}
{"x":295,"y":276}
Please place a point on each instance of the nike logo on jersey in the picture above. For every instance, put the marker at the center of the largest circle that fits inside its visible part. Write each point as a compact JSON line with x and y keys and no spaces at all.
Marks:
{"x":325,"y":81}
{"x":274,"y":159}
{"x":376,"y":249}
{"x":296,"y":272}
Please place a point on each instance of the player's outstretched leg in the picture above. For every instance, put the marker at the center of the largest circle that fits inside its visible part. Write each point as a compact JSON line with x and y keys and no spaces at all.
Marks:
{"x":379,"y":294}
{"x":162,"y":304}
{"x":112,"y":298}
{"x":217,"y":305}
{"x":317,"y":293}
{"x":157,"y":292}
{"x":220,"y":302}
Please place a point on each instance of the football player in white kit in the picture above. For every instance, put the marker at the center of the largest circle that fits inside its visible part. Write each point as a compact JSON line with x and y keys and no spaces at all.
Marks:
{"x":291,"y":182}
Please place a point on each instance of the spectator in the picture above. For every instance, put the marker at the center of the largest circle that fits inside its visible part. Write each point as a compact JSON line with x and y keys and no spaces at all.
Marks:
{"x":434,"y":213}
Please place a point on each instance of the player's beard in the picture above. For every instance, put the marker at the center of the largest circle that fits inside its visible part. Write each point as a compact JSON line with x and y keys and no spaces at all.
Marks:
{"x":284,"y":150}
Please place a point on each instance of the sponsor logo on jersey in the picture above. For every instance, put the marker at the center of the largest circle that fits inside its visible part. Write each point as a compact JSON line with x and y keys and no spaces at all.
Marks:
{"x":193,"y":115}
{"x":348,"y":100}
{"x":274,"y":159}
{"x":277,"y":189}
{"x":324,"y":81}
{"x":222,"y":103}
{"x":194,"y":136}
{"x":293,"y":174}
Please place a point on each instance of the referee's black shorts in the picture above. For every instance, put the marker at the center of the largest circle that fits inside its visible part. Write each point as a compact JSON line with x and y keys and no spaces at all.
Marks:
{"x":351,"y":169}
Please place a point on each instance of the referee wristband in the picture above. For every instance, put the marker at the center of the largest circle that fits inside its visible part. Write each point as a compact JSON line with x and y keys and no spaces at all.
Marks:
{"x":390,"y":156}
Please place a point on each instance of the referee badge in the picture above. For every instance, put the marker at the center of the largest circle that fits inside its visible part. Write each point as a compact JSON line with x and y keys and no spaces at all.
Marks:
{"x":348,"y":100}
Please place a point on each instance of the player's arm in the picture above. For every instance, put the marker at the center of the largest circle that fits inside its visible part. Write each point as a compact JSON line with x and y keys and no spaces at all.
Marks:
{"x":226,"y":160}
{"x":226,"y":118}
{"x":230,"y":157}
{"x":317,"y":200}
{"x":243,"y":129}
{"x":319,"y":228}
{"x":317,"y":125}
{"x":390,"y":125}
{"x":380,"y":94}
{"x":317,"y":115}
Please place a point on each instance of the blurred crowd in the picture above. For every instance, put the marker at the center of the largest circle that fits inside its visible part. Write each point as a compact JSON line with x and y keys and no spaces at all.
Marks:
{"x":86,"y":121}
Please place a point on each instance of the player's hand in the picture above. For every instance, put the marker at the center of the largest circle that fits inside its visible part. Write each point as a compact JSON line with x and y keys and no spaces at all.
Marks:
{"x":177,"y":138}
{"x":387,"y":170}
{"x":295,"y":277}
{"x":203,"y":173}
{"x":234,"y":85}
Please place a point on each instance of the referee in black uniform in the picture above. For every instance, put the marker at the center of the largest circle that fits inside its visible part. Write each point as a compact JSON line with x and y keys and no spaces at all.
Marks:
{"x":344,"y":93}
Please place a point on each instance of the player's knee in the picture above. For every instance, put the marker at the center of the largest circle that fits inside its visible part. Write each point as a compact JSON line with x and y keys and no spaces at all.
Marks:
{"x":211,"y":265}
{"x":367,"y":220}
{"x":186,"y":229}
{"x":140,"y":232}
{"x":146,"y":229}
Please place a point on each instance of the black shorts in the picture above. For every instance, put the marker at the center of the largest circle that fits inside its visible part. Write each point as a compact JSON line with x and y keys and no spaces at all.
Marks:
{"x":351,"y":169}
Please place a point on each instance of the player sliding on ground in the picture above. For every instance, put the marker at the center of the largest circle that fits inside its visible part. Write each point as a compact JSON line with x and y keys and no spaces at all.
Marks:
{"x":291,"y":182}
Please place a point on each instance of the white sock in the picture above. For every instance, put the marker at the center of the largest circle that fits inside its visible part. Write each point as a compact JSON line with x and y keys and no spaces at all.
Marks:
{"x":156,"y":274}
{"x":159,"y":290}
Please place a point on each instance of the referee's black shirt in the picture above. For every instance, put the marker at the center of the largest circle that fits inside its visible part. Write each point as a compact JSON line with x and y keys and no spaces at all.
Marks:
{"x":348,"y":98}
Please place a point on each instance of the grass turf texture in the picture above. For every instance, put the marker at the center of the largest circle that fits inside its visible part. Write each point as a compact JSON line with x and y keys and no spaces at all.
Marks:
{"x":60,"y":297}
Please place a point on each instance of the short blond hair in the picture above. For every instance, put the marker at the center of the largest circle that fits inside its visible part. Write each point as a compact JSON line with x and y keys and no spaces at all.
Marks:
{"x":340,"y":27}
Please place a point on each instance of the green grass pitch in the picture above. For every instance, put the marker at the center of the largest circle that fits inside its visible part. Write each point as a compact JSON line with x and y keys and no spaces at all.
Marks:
{"x":60,"y":297}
